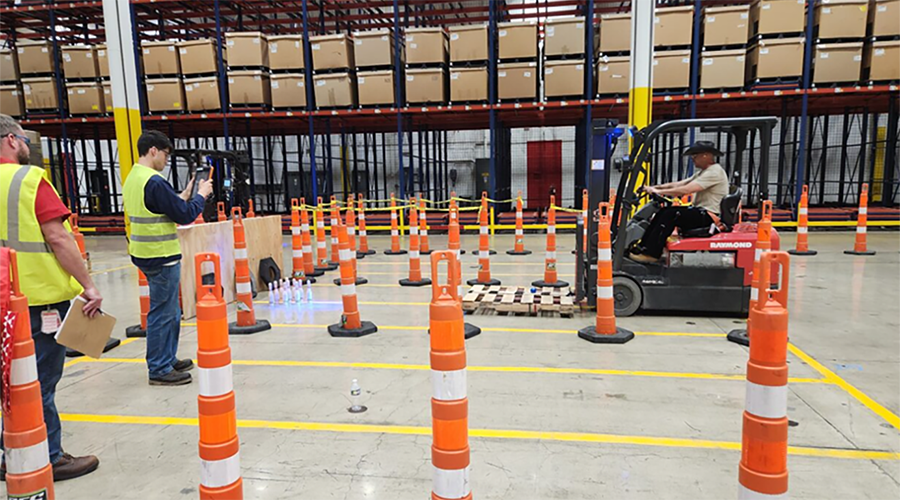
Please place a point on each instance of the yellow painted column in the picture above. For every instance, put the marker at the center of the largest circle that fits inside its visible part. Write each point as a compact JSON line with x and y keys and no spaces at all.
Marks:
{"x":640,"y":94}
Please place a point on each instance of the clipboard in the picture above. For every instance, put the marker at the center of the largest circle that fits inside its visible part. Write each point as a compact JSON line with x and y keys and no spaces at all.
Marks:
{"x":83,"y":334}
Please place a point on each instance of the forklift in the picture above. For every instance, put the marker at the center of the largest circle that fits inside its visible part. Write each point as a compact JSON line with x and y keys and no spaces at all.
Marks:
{"x":707,"y":270}
{"x":233,"y":190}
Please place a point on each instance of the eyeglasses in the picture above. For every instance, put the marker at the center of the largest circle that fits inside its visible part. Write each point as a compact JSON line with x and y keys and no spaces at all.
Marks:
{"x":22,"y":138}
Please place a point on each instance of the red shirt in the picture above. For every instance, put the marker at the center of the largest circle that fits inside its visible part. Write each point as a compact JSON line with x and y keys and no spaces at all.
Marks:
{"x":47,"y":205}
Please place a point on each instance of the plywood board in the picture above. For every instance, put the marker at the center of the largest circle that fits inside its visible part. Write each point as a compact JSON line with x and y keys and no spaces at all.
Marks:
{"x":264,"y":240}
{"x":215,"y":237}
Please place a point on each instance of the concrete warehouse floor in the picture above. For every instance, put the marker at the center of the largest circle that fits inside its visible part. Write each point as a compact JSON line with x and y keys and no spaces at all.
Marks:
{"x":550,"y":415}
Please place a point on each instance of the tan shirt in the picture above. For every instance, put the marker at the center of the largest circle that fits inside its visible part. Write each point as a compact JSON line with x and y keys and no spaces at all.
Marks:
{"x":714,"y":182}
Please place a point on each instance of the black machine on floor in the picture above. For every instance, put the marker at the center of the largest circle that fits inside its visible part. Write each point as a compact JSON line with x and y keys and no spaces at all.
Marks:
{"x":233,"y":189}
{"x":699,"y":272}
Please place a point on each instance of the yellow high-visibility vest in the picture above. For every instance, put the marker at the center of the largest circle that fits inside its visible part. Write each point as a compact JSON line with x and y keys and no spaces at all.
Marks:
{"x":153,"y":235}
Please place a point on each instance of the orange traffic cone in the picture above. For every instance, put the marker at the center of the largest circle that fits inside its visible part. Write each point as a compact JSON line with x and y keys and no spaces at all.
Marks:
{"x":220,"y":211}
{"x":605,"y":331}
{"x":763,"y":469}
{"x":862,"y":219}
{"x":322,"y":263}
{"x":449,"y":400}
{"x":309,"y":267}
{"x":519,"y":247}
{"x":483,"y":228}
{"x":583,"y":218}
{"x":550,"y":274}
{"x":424,"y":249}
{"x":28,"y":470}
{"x":220,"y":470}
{"x":335,"y":244}
{"x":246,"y":317}
{"x":350,"y":325}
{"x":140,"y":330}
{"x":803,"y":226}
{"x":415,"y":270}
{"x":350,"y":222}
{"x":453,"y":245}
{"x":455,"y":206}
{"x":763,"y":244}
{"x":363,"y":235}
{"x":79,"y":240}
{"x":395,"y":231}
{"x":250,"y":213}
{"x":298,"y":271}
{"x":484,"y":254}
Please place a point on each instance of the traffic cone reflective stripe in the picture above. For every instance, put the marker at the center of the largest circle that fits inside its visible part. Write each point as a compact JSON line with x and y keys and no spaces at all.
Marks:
{"x":415,"y":265}
{"x":584,"y":220}
{"x":395,"y":231}
{"x":322,"y":263}
{"x":763,"y":244}
{"x":802,"y":226}
{"x":449,"y":403}
{"x":763,"y":468}
{"x":454,"y":246}
{"x":519,"y":245}
{"x":297,"y":270}
{"x":551,"y":276}
{"x":860,"y":247}
{"x":351,"y":241}
{"x":335,"y":219}
{"x":424,"y":249}
{"x":351,"y":223}
{"x":309,"y":266}
{"x":246,"y":316}
{"x":363,"y":235}
{"x":220,"y":469}
{"x":350,"y":325}
{"x":140,"y":330}
{"x":484,"y":253}
{"x":27,"y":454}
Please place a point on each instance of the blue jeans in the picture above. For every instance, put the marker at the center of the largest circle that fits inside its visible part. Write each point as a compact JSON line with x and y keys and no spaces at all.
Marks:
{"x":163,"y":319}
{"x":50,"y":360}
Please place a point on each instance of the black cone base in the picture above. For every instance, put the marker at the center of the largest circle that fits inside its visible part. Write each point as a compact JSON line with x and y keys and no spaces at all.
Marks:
{"x":523,"y":252}
{"x":334,"y":263}
{"x":490,"y":252}
{"x":555,"y":284}
{"x":361,"y":255}
{"x":408,"y":282}
{"x":330,"y":267}
{"x":135,"y":331}
{"x":620,"y":337}
{"x":316,"y":272}
{"x":366,"y":328}
{"x":854,"y":252}
{"x":307,"y":280}
{"x":796,"y":252}
{"x":260,"y":326}
{"x":461,"y":251}
{"x":471,"y":330}
{"x":492,"y":282}
{"x":359,"y":281}
{"x":398,"y":252}
{"x":111,"y":344}
{"x":739,"y":337}
{"x":426,"y":252}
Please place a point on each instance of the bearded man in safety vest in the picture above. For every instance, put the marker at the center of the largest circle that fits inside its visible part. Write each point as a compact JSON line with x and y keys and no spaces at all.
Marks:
{"x":51,"y":273}
{"x":153,"y":209}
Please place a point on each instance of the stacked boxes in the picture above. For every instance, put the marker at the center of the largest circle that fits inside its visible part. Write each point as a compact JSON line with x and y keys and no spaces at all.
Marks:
{"x":248,"y":70}
{"x":468,"y":84}
{"x":162,"y":70}
{"x":672,"y":69}
{"x":166,"y":95}
{"x":776,"y":59}
{"x":287,"y":80}
{"x":84,"y":92}
{"x":468,"y":43}
{"x":563,"y":78}
{"x":615,"y":33}
{"x":374,"y":53}
{"x":881,"y":55}
{"x":564,"y":55}
{"x":725,"y":34}
{"x":288,"y":90}
{"x":673,"y":27}
{"x":613,"y":74}
{"x":11,"y":98}
{"x":468,"y":63}
{"x":36,"y":66}
{"x":517,"y":73}
{"x":333,"y":60}
{"x":614,"y":62}
{"x":775,"y":52}
{"x":199,"y":67}
{"x":722,"y":69}
{"x":840,"y":30}
{"x":517,"y":81}
{"x":376,"y":88}
{"x":427,"y":53}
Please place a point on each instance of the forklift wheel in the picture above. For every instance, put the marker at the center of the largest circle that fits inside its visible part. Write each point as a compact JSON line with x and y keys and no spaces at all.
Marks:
{"x":628,"y":296}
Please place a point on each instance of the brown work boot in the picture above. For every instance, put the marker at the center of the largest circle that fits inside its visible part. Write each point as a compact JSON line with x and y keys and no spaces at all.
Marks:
{"x":646,"y":259}
{"x":69,"y":467}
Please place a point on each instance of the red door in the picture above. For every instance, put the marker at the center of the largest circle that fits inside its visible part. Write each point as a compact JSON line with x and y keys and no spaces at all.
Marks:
{"x":544,"y":173}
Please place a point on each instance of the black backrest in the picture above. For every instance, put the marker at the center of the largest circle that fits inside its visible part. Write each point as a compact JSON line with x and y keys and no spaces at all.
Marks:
{"x":730,"y":207}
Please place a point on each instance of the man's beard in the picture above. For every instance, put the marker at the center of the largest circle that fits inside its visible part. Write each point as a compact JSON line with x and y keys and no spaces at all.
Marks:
{"x":23,"y":158}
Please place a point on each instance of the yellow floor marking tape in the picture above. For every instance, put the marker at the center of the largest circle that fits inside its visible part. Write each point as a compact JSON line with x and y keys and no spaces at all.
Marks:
{"x":579,"y":437}
{"x":82,"y":359}
{"x":860,"y":396}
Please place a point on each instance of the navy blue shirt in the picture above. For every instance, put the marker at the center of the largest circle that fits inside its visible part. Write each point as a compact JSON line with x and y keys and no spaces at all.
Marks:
{"x":161,"y":198}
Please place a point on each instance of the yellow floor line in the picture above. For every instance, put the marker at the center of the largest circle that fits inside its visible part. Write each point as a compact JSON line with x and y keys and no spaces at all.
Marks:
{"x":82,"y":359}
{"x":860,"y":396}
{"x":579,"y":437}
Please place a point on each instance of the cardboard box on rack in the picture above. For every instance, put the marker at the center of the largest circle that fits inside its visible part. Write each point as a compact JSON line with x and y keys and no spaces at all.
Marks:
{"x":249,"y":88}
{"x":726,"y":25}
{"x":615,"y":33}
{"x":102,"y":61}
{"x":468,"y":42}
{"x":613,"y":75}
{"x":722,"y":69}
{"x":166,"y":94}
{"x":9,"y":66}
{"x":202,"y":94}
{"x":285,"y":52}
{"x":426,"y":46}
{"x":837,"y":62}
{"x":335,"y":90}
{"x":673,"y":26}
{"x":841,"y":19}
{"x":517,"y":40}
{"x":375,"y":87}
{"x":199,"y":57}
{"x":40,"y":94}
{"x":35,"y":57}
{"x":85,"y":98}
{"x":331,"y":51}
{"x":247,"y":49}
{"x":882,"y":59}
{"x":373,"y":48}
{"x":79,"y":61}
{"x":672,"y":69}
{"x":776,"y":58}
{"x":288,"y":90}
{"x":884,"y":16}
{"x":107,"y":96}
{"x":426,"y":85}
{"x":160,"y":58}
{"x":11,"y":100}
{"x":770,"y":17}
{"x":517,"y":81}
{"x":564,"y":36}
{"x":468,"y":84}
{"x":564,"y":78}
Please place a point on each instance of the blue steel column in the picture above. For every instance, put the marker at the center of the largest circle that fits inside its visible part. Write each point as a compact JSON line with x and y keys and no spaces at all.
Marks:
{"x":804,"y":107}
{"x":588,"y":89}
{"x":223,"y":82}
{"x":492,"y":96}
{"x":695,"y":72}
{"x":310,"y":107}
{"x":398,"y":96}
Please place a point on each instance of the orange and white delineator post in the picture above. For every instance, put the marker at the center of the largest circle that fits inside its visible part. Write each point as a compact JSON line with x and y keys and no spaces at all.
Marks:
{"x":309,"y":266}
{"x":395,"y":231}
{"x":220,"y":469}
{"x":519,"y":246}
{"x":363,"y":235}
{"x":79,"y":240}
{"x":484,"y":254}
{"x":297,"y":269}
{"x":763,"y":473}
{"x":605,"y":331}
{"x":483,"y":224}
{"x":350,"y":325}
{"x":27,"y":454}
{"x":415,"y":266}
{"x":140,"y":330}
{"x":454,"y":246}
{"x":322,"y":263}
{"x":763,"y":244}
{"x":862,"y":221}
{"x":449,"y":400}
{"x":246,"y":317}
{"x":424,"y":249}
{"x":803,"y":226}
{"x":335,"y":244}
{"x":349,"y":224}
{"x":551,"y":276}
{"x":455,"y":206}
{"x":250,"y":213}
{"x":584,"y":221}
{"x":220,"y":212}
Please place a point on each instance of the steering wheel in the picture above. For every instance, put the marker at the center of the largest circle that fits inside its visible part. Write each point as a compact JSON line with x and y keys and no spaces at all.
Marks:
{"x":658,"y":198}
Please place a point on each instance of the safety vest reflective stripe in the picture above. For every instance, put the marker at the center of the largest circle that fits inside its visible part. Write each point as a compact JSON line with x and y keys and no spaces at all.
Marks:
{"x":240,"y":253}
{"x":766,"y":401}
{"x":448,"y":385}
{"x":149,"y":220}
{"x":215,"y":381}
{"x":604,"y":292}
{"x":551,"y":255}
{"x":453,"y":483}
{"x":348,"y":290}
{"x":12,"y":218}
{"x":604,"y":254}
{"x":747,"y":494}
{"x":243,"y":288}
{"x":27,"y":459}
{"x":141,"y":238}
{"x":219,"y":473}
{"x":27,"y":246}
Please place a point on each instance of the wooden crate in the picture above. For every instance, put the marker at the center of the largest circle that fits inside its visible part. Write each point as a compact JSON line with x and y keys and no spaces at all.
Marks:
{"x":519,"y":300}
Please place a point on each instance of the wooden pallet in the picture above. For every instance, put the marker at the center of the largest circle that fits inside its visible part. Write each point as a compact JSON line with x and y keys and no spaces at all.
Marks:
{"x":519,"y":300}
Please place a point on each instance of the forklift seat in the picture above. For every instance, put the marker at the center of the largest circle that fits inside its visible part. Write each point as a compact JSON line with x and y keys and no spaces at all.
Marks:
{"x":729,"y":215}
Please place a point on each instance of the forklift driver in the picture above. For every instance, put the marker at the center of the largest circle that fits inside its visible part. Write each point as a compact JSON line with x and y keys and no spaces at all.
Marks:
{"x":709,"y":185}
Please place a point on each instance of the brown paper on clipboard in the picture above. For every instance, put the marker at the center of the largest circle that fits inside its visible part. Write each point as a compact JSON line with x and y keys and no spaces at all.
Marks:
{"x":83,"y":334}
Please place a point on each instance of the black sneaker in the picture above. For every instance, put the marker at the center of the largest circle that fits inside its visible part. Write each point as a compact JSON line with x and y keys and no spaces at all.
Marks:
{"x":172,"y":378}
{"x":183,"y":365}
